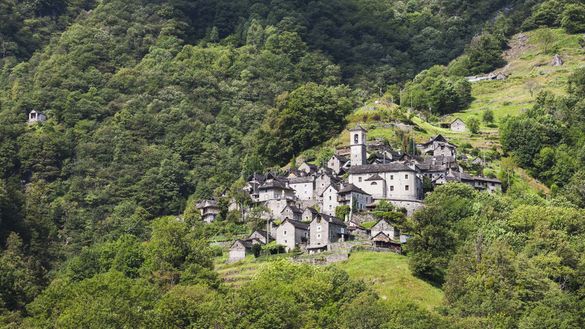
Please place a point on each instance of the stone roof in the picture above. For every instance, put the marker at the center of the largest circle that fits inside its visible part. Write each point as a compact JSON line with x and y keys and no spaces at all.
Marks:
{"x":274,"y":183}
{"x":438,"y":163}
{"x":296,"y":224}
{"x":457,"y":119}
{"x":487,"y":179}
{"x":246,"y":243}
{"x":332,"y":220}
{"x":295,"y":209}
{"x":383,"y":237}
{"x":438,"y":138}
{"x":256,"y":177}
{"x":301,"y":180}
{"x":206,"y":204}
{"x":379,"y":168}
{"x":348,"y":188}
{"x":374,"y":177}
{"x":261,"y":232}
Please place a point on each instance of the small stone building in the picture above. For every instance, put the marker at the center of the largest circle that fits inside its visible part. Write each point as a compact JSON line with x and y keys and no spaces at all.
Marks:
{"x":259,"y":235}
{"x":309,"y":214}
{"x":382,"y":240}
{"x":291,"y":233}
{"x":292,"y":212}
{"x":336,"y":163}
{"x":239,"y":250}
{"x":382,"y":226}
{"x":324,"y":230}
{"x":458,"y":125}
{"x":209,"y":210}
{"x":34,"y":117}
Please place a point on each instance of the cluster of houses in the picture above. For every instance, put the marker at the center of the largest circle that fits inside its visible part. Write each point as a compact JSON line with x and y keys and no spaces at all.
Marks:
{"x":318,"y":235}
{"x":301,"y":205}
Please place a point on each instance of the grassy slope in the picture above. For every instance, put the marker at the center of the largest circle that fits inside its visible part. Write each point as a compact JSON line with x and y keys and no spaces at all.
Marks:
{"x":389,"y":275}
{"x":529,"y":72}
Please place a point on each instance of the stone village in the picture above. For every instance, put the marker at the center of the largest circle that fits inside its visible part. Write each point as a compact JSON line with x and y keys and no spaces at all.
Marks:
{"x":301,"y":205}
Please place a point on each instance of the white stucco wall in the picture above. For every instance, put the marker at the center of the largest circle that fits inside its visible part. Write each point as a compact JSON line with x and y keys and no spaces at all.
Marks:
{"x":303,"y":191}
{"x":329,"y":201}
{"x":399,"y":185}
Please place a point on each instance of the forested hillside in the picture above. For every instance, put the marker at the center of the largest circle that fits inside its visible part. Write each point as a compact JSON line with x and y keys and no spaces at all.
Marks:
{"x":152,"y":105}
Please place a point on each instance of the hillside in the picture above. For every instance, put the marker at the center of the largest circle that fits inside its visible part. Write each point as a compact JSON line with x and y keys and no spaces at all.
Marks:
{"x":119,"y":117}
{"x":387,"y":273}
{"x":529,"y":71}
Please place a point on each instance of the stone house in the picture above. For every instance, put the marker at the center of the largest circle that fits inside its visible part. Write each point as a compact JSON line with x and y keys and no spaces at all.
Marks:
{"x":209,"y":210}
{"x":323,"y":181}
{"x":438,"y":145}
{"x":34,"y":117}
{"x":260,"y":235}
{"x":239,"y":250}
{"x":304,"y":187}
{"x":291,"y":233}
{"x":382,"y":226}
{"x":324,"y":230}
{"x":353,"y":196}
{"x":275,"y":189}
{"x":357,"y":230}
{"x":382,"y":240}
{"x":308,"y":168}
{"x":458,"y":125}
{"x":309,"y":214}
{"x":292,"y":212}
{"x":253,"y":186}
{"x":330,"y":200}
{"x":336,"y":163}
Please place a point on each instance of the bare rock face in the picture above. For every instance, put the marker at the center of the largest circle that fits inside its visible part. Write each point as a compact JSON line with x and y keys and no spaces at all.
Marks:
{"x":557,"y":61}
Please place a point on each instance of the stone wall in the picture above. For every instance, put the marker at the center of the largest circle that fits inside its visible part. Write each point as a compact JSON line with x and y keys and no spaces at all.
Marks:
{"x":363,"y":217}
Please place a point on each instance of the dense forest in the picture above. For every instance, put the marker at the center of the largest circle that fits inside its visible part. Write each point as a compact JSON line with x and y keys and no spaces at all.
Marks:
{"x":152,"y":105}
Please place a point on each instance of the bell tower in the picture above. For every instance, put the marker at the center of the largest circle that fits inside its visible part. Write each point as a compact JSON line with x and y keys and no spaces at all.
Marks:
{"x":357,"y":142}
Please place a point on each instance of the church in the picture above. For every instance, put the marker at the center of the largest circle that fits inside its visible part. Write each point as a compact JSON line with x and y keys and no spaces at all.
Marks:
{"x":399,"y":182}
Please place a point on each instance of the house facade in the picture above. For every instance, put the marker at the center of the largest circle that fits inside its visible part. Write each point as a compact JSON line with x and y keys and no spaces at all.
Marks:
{"x":458,"y":125}
{"x":304,"y":187}
{"x":325,"y":230}
{"x":209,"y":210}
{"x":291,"y":233}
{"x":336,"y":163}
{"x":353,"y":196}
{"x":330,"y":201}
{"x":275,"y":189}
{"x":292,"y":212}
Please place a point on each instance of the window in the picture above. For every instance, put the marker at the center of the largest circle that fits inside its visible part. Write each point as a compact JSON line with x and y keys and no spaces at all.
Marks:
{"x":392,"y":188}
{"x":318,"y":227}
{"x":406,"y":187}
{"x":356,"y":138}
{"x":284,"y":232}
{"x":391,"y":176}
{"x":330,"y":198}
{"x":374,"y":183}
{"x":359,"y":179}
{"x":319,"y":236}
{"x":406,"y":176}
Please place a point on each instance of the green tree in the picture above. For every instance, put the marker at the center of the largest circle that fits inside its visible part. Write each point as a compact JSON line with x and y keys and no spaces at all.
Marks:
{"x":488,"y":116}
{"x":473,"y":125}
{"x":573,"y":18}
